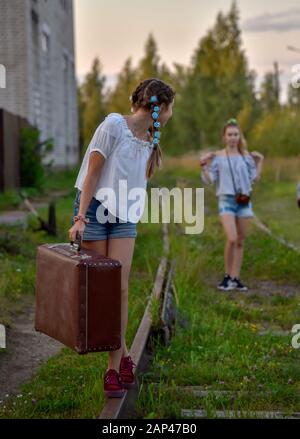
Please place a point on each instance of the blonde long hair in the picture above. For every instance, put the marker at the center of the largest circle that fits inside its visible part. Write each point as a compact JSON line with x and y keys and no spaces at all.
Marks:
{"x":242,"y":145}
{"x":140,"y":98}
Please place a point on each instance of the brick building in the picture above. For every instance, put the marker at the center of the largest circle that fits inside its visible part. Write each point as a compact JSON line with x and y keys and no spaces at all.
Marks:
{"x":37,"y":53}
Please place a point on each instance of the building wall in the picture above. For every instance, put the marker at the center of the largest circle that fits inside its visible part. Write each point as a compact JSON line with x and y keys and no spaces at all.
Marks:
{"x":13,"y":55}
{"x":47,"y":94}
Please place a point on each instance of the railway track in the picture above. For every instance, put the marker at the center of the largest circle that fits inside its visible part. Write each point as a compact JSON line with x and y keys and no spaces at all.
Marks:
{"x":202,"y":392}
{"x":261,"y":226}
{"x":142,"y":350}
{"x":142,"y":353}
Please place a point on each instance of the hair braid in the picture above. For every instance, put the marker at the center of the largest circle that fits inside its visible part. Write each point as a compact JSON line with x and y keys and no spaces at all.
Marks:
{"x":141,"y":98}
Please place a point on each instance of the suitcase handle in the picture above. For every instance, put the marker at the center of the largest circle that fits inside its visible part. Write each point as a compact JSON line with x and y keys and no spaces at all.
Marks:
{"x":78,"y":239}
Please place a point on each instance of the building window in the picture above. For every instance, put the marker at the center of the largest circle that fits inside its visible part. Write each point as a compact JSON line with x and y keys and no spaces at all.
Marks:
{"x":35,"y":27}
{"x":45,"y":42}
{"x":65,"y":63}
{"x":37,"y":107}
{"x":64,"y":5}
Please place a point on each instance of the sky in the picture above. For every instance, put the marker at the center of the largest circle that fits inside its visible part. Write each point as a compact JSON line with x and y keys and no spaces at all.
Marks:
{"x":116,"y":29}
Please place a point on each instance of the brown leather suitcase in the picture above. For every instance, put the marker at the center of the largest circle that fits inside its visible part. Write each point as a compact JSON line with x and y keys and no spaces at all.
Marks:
{"x":78,"y":297}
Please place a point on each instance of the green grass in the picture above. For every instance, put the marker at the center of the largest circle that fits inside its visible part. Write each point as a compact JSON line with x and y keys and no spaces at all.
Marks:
{"x":61,"y":180}
{"x":68,"y":385}
{"x":231,"y":341}
{"x":17,"y":256}
{"x":237,"y":342}
{"x":55,"y":180}
{"x":275,"y":199}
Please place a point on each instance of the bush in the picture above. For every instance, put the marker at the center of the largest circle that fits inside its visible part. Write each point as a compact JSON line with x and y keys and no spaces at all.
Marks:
{"x":32,"y":169}
{"x":277,"y":133}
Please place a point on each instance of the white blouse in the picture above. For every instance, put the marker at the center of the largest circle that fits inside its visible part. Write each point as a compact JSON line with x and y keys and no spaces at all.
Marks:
{"x":124,"y":168}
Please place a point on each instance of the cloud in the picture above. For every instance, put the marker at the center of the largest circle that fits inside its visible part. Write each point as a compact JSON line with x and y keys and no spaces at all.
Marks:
{"x":279,"y":22}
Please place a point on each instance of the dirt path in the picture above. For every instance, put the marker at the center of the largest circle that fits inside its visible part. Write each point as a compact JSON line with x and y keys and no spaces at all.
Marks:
{"x":25,"y":350}
{"x":20,"y":216}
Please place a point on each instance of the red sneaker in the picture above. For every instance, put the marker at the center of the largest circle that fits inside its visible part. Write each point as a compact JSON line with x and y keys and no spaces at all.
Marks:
{"x":126,"y":374}
{"x":113,"y":386}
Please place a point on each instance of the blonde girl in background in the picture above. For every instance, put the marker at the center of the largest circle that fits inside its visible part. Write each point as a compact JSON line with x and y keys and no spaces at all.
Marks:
{"x":234,"y":171}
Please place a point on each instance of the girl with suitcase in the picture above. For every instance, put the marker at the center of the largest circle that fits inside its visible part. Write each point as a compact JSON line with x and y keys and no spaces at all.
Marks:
{"x":124,"y":148}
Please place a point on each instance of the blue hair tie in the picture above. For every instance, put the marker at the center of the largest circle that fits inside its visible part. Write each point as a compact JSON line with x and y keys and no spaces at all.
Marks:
{"x":155,"y":110}
{"x":153,"y":99}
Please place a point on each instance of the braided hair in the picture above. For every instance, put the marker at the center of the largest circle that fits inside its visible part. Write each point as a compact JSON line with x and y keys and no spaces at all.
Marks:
{"x":149,"y":95}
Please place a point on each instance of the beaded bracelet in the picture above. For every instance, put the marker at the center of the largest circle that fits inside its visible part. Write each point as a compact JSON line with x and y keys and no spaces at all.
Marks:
{"x":82,"y":218}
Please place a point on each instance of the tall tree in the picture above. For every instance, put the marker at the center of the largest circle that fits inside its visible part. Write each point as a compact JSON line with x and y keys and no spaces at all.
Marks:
{"x":294,"y":97}
{"x":149,"y":65}
{"x":270,"y":90}
{"x":118,"y":100}
{"x":81,"y":108}
{"x":93,"y":101}
{"x":220,"y":84}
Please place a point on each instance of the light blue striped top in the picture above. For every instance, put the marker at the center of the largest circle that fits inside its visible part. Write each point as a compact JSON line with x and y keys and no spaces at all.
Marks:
{"x":244,"y":172}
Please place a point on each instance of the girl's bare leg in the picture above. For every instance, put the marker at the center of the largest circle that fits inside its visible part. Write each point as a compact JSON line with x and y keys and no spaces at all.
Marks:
{"x":229,"y":225}
{"x":122,"y":250}
{"x":242,"y":227}
{"x":98,"y":246}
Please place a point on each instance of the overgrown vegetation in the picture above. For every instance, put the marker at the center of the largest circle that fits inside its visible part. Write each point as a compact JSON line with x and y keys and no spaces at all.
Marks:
{"x":236,"y":342}
{"x":217,"y":85}
{"x":33,"y":151}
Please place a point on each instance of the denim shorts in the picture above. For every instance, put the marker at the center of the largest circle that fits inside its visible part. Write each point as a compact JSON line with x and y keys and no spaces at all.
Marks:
{"x":94,"y":230}
{"x":228,"y":204}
